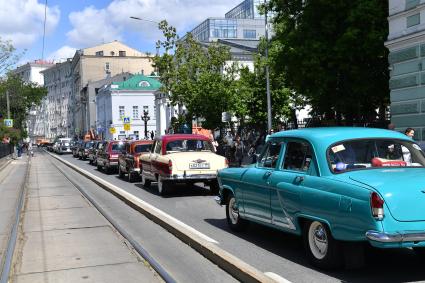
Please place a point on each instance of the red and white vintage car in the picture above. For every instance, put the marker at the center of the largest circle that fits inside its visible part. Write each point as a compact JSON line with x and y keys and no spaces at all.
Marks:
{"x":181,"y":158}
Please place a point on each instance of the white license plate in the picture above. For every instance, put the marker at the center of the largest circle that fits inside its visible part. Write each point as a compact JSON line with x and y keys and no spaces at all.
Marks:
{"x":199,"y":166}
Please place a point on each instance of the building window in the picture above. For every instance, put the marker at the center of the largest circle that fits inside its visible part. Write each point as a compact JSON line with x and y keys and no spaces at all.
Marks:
{"x":145,"y":109}
{"x":154,"y":110}
{"x":413,"y":20}
{"x":135,"y":112}
{"x":107,"y":66}
{"x":144,"y":84}
{"x":99,"y":53}
{"x":136,"y":133}
{"x":122,"y":53}
{"x":411,"y":4}
{"x":121,"y":112}
{"x":249,"y":33}
{"x":112,"y":53}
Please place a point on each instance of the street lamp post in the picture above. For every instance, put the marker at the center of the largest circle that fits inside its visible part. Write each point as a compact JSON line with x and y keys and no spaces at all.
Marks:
{"x":145,"y":118}
{"x":269,"y":100}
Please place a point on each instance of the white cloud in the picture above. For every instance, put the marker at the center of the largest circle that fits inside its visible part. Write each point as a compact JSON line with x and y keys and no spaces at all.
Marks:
{"x":93,"y":26}
{"x":22,"y":21}
{"x":62,"y":53}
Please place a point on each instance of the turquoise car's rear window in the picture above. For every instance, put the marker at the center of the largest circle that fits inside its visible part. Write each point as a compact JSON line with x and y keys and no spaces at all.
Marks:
{"x":372,"y":153}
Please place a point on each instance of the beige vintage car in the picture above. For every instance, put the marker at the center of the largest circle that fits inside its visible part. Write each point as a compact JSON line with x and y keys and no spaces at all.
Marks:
{"x":181,"y":158}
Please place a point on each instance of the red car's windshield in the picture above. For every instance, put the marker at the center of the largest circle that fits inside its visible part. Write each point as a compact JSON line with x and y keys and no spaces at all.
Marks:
{"x":117,"y":147}
{"x":142,"y":148}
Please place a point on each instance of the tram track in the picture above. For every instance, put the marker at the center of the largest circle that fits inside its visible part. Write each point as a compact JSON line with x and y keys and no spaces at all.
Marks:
{"x":135,"y":245}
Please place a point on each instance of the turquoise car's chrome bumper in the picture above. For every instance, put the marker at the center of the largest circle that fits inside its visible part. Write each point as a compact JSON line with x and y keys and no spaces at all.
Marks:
{"x":382,"y":237}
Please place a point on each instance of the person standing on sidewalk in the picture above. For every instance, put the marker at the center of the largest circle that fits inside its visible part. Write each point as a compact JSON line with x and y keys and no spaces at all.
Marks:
{"x":238,"y":152}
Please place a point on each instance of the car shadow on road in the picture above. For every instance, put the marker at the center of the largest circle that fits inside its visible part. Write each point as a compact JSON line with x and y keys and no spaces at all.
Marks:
{"x":392,"y":265}
{"x":178,"y":190}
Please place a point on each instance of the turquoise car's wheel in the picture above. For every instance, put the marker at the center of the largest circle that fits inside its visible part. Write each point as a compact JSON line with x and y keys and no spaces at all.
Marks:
{"x":236,"y":223}
{"x":322,"y":249}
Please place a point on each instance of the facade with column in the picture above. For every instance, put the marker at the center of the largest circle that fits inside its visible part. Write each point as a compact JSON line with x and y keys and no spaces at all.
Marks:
{"x":164,"y":113}
{"x":130,"y":98}
{"x":406,"y":43}
{"x":97,"y":63}
{"x":58,"y":81}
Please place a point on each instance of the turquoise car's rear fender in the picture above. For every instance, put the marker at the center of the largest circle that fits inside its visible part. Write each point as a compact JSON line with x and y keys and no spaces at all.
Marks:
{"x":301,"y":219}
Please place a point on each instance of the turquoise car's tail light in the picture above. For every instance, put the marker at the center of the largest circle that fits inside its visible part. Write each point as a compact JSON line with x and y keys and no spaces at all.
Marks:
{"x":377,"y":205}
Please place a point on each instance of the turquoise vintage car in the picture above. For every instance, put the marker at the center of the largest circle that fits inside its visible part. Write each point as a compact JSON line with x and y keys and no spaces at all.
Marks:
{"x":336,"y":187}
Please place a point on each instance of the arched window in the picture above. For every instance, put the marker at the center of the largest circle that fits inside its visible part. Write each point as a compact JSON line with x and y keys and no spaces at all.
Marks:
{"x":144,"y":84}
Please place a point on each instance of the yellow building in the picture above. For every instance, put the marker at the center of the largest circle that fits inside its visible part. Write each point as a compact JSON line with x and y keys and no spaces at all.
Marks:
{"x":97,"y":63}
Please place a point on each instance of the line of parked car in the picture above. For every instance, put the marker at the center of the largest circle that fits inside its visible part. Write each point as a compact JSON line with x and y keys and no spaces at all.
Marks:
{"x":167,"y":160}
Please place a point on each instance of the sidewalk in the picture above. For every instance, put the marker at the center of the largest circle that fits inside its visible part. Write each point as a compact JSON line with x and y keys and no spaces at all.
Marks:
{"x":11,"y":178}
{"x":63,"y":238}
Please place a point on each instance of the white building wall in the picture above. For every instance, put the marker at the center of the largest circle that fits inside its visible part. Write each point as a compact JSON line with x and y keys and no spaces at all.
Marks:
{"x":107,"y":105}
{"x":36,"y":76}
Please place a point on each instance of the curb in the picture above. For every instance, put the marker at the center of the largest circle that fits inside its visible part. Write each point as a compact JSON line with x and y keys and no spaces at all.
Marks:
{"x":226,"y":261}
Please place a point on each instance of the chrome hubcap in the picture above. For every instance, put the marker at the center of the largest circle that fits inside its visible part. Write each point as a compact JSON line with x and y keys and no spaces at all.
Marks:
{"x":318,"y":240}
{"x":233,"y":211}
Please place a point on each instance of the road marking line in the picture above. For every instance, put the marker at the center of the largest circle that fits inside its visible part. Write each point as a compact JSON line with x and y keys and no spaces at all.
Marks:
{"x":276,"y":277}
{"x":157,"y":210}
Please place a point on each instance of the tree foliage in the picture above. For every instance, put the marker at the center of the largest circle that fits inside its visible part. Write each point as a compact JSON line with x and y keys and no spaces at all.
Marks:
{"x":332,"y":51}
{"x":202,"y":77}
{"x":22,"y":96}
{"x":8,"y":55}
{"x":196,"y":76}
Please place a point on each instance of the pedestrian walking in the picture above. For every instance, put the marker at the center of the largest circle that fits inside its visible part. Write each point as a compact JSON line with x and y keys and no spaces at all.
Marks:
{"x":252,"y":153}
{"x":410,"y":132}
{"x":152,"y":135}
{"x":238,"y":152}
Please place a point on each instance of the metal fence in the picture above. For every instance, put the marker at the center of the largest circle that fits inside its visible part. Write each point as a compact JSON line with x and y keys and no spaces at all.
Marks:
{"x":5,"y":149}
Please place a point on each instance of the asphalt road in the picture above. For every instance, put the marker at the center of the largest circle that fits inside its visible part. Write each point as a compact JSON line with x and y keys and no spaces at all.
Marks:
{"x":264,"y":248}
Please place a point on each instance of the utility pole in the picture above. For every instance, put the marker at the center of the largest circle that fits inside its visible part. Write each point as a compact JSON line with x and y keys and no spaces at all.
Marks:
{"x":269,"y":100}
{"x":8,"y":104}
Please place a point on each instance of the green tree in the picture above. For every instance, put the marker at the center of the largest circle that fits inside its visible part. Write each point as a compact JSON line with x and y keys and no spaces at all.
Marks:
{"x":8,"y":55}
{"x":196,"y":76}
{"x":252,"y":94}
{"x":22,"y":97}
{"x":332,"y":51}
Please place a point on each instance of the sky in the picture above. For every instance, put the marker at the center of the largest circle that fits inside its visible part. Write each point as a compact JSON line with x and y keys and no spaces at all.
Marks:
{"x":77,"y":24}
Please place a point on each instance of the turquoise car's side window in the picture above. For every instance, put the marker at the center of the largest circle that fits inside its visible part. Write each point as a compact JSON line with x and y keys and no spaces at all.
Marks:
{"x":270,"y":156}
{"x":298,"y":156}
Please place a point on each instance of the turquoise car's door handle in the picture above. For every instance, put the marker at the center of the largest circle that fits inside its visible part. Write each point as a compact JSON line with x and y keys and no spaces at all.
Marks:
{"x":299,"y":179}
{"x":267,"y":174}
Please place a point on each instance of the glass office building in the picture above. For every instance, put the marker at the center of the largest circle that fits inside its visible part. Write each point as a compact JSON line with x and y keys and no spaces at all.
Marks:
{"x":242,"y":22}
{"x":246,"y":10}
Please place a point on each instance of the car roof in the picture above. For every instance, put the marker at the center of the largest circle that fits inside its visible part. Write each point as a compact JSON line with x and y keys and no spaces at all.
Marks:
{"x":330,"y":135}
{"x":167,"y":138}
{"x":141,"y":142}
